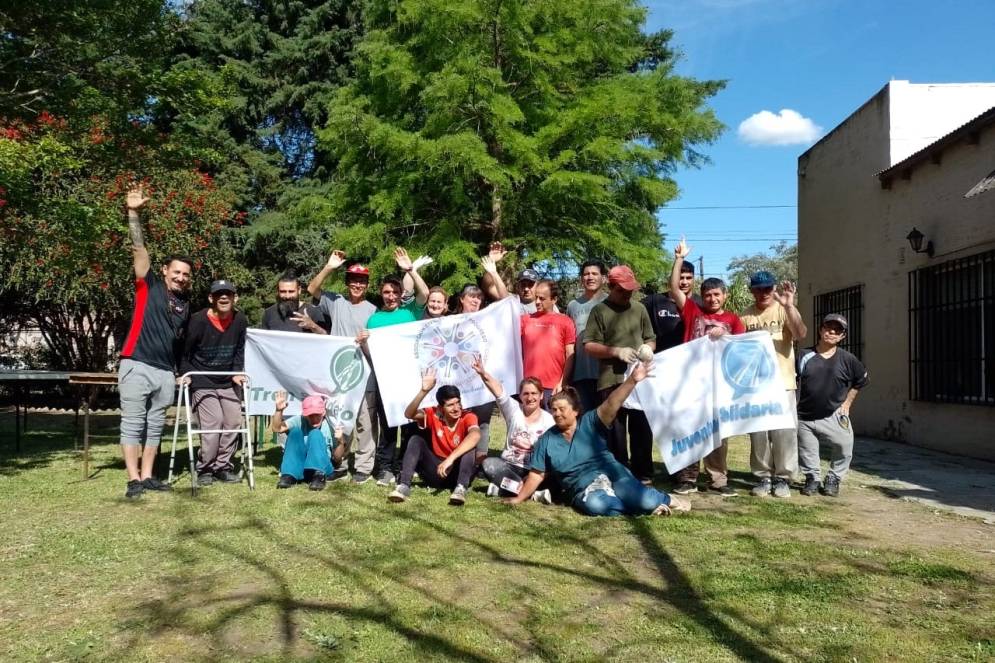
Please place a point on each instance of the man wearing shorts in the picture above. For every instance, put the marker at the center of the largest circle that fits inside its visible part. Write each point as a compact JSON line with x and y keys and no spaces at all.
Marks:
{"x":146,"y":377}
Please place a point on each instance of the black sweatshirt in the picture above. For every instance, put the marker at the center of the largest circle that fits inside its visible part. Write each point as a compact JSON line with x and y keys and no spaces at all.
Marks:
{"x":208,"y":349}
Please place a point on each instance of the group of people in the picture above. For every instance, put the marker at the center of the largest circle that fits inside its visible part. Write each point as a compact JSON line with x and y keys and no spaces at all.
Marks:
{"x":569,"y":438}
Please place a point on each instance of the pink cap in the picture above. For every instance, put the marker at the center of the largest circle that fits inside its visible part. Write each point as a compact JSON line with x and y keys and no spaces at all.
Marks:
{"x":313,"y":404}
{"x":622,"y":275}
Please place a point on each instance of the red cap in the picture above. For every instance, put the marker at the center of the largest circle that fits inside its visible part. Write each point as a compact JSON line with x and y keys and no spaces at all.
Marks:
{"x":358,"y":270}
{"x":622,"y":275}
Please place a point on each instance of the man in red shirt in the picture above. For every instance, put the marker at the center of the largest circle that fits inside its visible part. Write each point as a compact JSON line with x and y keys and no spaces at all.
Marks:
{"x":452,"y":434}
{"x":548,"y":340}
{"x":713,"y":320}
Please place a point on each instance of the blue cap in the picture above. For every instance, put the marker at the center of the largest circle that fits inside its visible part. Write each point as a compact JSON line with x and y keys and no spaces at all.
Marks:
{"x":528,"y":275}
{"x":762,"y":279}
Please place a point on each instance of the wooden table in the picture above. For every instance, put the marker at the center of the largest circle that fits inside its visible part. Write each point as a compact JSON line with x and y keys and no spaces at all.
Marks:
{"x":20,"y":381}
{"x":92,"y":382}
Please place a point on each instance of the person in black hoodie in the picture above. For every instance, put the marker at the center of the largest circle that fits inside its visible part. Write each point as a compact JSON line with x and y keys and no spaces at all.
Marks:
{"x":215,"y":341}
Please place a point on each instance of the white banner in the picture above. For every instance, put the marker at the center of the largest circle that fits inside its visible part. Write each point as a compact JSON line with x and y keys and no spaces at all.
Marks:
{"x":706,"y":390}
{"x":305,"y":364}
{"x":401,"y":352}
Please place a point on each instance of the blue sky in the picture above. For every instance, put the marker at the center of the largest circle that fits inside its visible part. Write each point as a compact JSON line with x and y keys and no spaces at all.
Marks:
{"x":820,"y":58}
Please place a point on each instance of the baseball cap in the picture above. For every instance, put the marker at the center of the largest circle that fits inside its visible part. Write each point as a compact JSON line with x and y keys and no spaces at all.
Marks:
{"x":622,"y":275}
{"x":528,"y":275}
{"x":313,"y":404}
{"x":356,"y":269}
{"x":222,"y":285}
{"x":838,"y":319}
{"x":762,"y":279}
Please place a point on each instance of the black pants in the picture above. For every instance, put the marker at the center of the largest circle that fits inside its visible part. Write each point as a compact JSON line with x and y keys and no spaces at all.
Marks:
{"x":419,"y":457}
{"x":640,"y":439}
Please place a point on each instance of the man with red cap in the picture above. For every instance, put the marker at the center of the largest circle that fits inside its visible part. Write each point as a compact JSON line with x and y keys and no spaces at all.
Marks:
{"x":619,"y":331}
{"x":309,"y":436}
{"x":348,"y":316}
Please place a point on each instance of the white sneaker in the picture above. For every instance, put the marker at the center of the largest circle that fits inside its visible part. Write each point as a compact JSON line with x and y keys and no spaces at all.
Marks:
{"x":458,"y":496}
{"x":493,"y":490}
{"x":542,"y":496}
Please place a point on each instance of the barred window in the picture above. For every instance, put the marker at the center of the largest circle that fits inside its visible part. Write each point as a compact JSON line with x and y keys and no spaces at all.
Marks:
{"x":849,"y":303}
{"x":952,"y":331}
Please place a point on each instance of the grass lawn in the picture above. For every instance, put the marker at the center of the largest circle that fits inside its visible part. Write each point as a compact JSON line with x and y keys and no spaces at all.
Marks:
{"x":342,"y":575}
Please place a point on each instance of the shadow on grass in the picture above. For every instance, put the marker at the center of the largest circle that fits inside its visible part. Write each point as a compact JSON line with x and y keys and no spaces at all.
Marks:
{"x":193,"y":607}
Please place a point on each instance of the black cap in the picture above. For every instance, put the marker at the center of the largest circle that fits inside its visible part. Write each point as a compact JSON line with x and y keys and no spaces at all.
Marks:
{"x":222,"y":285}
{"x":838,"y":319}
{"x":528,"y":275}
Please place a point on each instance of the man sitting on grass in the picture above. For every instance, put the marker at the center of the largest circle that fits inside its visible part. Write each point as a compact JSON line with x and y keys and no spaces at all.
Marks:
{"x":452,"y":434}
{"x":309,"y":437}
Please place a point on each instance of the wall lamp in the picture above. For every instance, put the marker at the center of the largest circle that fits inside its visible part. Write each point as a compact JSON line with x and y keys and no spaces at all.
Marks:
{"x":915,"y":241}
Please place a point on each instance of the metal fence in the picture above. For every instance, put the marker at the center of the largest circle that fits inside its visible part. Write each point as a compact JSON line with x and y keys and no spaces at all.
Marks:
{"x":952,"y":331}
{"x":848,"y":302}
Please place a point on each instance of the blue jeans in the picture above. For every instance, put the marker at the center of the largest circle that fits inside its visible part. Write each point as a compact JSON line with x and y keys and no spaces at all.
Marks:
{"x":310,"y":453}
{"x":631,"y":498}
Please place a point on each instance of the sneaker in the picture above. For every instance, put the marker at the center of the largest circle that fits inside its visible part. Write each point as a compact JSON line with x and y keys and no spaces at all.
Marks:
{"x":724,"y":491}
{"x":781,"y":488}
{"x":458,"y":496}
{"x":685,"y":488}
{"x":677,"y":505}
{"x":400,"y":493}
{"x":831,"y":486}
{"x":339,"y":474}
{"x":493,"y":490}
{"x":386,"y":478}
{"x":360,"y":477}
{"x":227,"y":476}
{"x":134,"y":490}
{"x":286,"y":481}
{"x":205,"y":479}
{"x":812,"y":485}
{"x":317,"y":482}
{"x":542,"y":496}
{"x":762,"y":489}
{"x":154,"y":484}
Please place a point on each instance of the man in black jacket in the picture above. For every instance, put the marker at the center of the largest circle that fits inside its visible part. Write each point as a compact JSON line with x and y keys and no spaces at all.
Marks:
{"x":216,"y":342}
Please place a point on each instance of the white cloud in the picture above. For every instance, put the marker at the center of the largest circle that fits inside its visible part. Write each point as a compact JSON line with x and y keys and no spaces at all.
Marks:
{"x":788,"y":127}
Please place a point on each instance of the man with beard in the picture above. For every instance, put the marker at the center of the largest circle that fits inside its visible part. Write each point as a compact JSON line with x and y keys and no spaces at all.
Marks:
{"x":146,"y":377}
{"x":289,"y":313}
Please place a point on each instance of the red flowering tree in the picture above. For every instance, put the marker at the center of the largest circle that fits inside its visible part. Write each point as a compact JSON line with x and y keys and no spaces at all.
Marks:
{"x":64,"y":248}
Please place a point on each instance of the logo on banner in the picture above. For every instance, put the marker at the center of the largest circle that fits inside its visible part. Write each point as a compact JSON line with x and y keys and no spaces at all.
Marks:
{"x":747,"y":366}
{"x":346,"y":368}
{"x":450,"y":348}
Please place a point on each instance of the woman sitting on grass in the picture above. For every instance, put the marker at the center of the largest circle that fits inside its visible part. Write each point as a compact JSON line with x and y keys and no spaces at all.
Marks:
{"x":451,"y":432}
{"x":526,"y":422}
{"x":576,"y":452}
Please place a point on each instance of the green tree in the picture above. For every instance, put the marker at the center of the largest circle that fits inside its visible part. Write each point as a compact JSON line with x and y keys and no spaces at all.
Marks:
{"x":281,"y":62}
{"x":64,"y":248}
{"x":552,"y":126}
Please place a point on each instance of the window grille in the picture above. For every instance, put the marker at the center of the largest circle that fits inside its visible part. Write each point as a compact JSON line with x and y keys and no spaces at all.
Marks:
{"x":952,"y":331}
{"x":848,"y":302}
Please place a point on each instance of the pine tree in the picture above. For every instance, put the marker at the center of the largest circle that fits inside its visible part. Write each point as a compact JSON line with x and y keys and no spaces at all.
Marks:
{"x":554,"y":126}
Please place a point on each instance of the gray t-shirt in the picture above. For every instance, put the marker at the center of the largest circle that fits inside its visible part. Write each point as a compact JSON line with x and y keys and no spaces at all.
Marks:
{"x":585,"y":366}
{"x":347,"y":319}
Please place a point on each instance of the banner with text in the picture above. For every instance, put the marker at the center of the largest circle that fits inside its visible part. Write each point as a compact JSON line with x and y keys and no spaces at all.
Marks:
{"x":706,"y":390}
{"x":401,"y":352}
{"x":305,"y":364}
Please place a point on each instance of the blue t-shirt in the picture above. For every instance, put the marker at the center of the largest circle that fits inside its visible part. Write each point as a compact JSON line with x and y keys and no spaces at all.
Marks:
{"x":577,"y":463}
{"x":299,"y":422}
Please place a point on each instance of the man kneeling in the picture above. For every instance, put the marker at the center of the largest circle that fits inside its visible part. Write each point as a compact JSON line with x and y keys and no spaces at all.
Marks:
{"x":309,"y":437}
{"x":453,"y":435}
